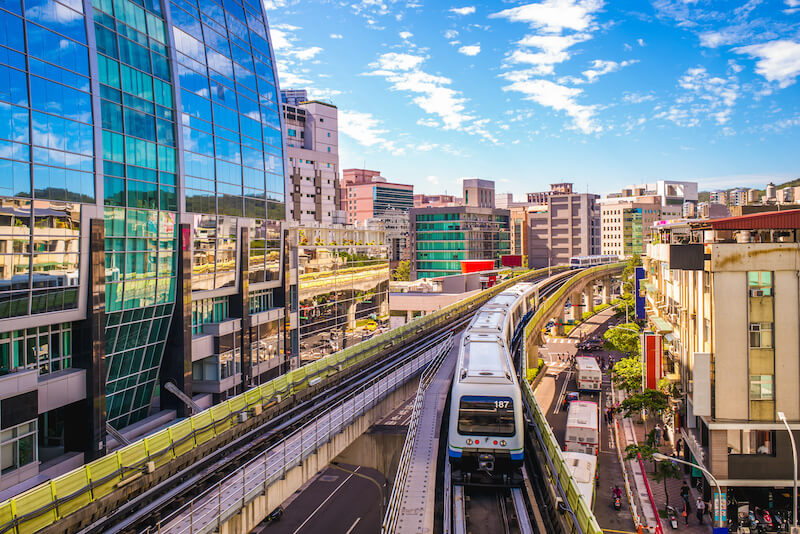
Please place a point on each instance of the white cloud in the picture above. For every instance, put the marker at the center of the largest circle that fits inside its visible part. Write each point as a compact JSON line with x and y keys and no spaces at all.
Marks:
{"x":406,"y":35}
{"x":366,"y":130}
{"x":601,"y":67}
{"x":468,"y":10}
{"x":426,"y":147}
{"x":450,"y":34}
{"x":552,"y":51}
{"x":425,"y":121}
{"x":274,"y":4}
{"x":435,"y":97}
{"x":305,"y":54}
{"x":705,"y":96}
{"x":640,"y":42}
{"x":560,"y":98}
{"x":777,"y":61}
{"x":433,"y":180}
{"x":470,"y":50}
{"x":336,"y":36}
{"x":554,"y":15}
{"x":637,"y":98}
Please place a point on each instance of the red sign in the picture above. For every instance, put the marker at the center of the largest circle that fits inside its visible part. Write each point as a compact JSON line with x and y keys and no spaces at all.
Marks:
{"x":511,"y":261}
{"x":474,"y":266}
{"x":492,"y":280}
{"x":653,"y":355}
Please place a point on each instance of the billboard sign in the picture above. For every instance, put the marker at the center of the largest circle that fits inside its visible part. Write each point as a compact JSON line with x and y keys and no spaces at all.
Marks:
{"x":652,"y":351}
{"x":638,"y":276}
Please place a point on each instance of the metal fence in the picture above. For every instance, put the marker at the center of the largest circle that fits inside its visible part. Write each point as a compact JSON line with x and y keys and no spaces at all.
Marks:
{"x":396,"y":498}
{"x":55,"y":499}
{"x":207,"y":512}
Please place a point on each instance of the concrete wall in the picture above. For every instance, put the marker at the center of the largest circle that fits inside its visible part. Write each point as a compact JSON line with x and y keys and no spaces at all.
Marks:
{"x":256,"y":511}
{"x":787,"y":342}
{"x":731,"y":380}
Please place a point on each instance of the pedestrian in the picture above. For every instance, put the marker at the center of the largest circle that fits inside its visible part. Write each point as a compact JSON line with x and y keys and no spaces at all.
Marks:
{"x":679,"y":447}
{"x":685,"y":493}
{"x":657,"y":434}
{"x":701,"y":509}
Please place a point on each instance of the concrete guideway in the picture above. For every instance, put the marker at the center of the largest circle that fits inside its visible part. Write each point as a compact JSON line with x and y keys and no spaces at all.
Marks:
{"x":243,"y":499}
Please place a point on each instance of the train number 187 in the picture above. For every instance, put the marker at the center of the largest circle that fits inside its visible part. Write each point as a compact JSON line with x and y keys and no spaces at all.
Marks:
{"x":501,"y":404}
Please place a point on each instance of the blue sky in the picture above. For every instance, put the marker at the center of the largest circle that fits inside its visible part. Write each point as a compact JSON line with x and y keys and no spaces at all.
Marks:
{"x":602,"y":94}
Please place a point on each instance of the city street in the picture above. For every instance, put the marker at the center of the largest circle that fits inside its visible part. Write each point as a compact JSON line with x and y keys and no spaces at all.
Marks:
{"x":550,"y":394}
{"x":333,"y":501}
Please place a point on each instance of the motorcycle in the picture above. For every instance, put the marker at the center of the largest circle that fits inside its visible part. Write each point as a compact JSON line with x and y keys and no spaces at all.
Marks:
{"x":755,"y":524}
{"x":673,"y":517}
{"x":765,"y":520}
{"x":616,"y":500}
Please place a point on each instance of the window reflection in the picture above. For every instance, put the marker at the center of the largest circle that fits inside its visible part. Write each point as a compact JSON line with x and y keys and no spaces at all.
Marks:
{"x":39,"y":263}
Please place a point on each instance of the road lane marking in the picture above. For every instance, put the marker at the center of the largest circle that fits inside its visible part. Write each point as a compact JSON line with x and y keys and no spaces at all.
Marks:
{"x":349,"y":530}
{"x":563,"y":393}
{"x":317,"y":509}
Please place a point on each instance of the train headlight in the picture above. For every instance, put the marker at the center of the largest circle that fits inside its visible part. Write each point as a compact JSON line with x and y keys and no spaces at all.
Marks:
{"x":502,"y":443}
{"x":469,"y":441}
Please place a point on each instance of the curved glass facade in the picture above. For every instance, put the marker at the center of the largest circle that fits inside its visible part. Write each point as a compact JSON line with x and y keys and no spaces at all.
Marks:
{"x":176,"y":113}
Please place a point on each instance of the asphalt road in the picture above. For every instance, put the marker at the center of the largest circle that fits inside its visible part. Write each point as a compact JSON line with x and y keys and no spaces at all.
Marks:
{"x":609,"y":471}
{"x":333,"y":502}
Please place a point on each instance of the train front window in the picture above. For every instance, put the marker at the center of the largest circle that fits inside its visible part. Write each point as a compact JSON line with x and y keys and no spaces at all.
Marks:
{"x":486,"y":416}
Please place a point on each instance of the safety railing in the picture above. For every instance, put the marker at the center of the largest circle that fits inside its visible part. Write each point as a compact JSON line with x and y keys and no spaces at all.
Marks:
{"x":51,"y":501}
{"x":556,"y":465}
{"x":209,"y":511}
{"x":396,"y":498}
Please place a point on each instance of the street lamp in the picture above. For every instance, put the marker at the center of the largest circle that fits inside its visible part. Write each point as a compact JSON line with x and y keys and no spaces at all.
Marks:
{"x":782,"y":417}
{"x":658,"y":457}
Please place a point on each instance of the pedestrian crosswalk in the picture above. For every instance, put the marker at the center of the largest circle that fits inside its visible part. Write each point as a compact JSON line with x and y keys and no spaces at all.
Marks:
{"x":548,"y":339}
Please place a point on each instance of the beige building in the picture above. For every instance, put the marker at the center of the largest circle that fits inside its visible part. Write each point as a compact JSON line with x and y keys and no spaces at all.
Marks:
{"x":567,"y":225}
{"x":478,"y":193}
{"x":626,"y":225}
{"x":726,"y":295}
{"x":312,"y":147}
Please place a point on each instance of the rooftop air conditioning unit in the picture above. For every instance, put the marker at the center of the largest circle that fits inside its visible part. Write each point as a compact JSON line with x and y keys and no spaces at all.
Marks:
{"x":756,"y":292}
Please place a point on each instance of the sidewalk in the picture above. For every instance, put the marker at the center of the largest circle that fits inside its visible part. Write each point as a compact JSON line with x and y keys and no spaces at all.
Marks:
{"x":674,"y":488}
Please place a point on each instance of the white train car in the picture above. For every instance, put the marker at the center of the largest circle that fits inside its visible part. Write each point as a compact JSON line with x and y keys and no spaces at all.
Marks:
{"x":581,"y":434}
{"x":583,"y":469}
{"x":486,"y":423}
{"x":581,"y":262}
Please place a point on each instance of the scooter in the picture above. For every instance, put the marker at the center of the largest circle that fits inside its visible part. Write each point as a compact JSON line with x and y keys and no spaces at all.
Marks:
{"x":673,"y":517}
{"x":778,"y":521}
{"x":755,"y":524}
{"x":765,"y":520}
{"x":617,"y":502}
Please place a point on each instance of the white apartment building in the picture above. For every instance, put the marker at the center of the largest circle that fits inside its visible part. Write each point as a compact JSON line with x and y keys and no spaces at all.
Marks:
{"x":312,"y":148}
{"x":673,"y":195}
{"x":725,"y":295}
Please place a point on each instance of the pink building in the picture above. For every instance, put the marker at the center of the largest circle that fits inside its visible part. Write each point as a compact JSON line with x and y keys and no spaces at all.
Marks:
{"x":366,"y":194}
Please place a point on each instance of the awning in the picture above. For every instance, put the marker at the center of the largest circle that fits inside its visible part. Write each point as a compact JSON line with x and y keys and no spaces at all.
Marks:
{"x":661,"y":326}
{"x":669,"y":338}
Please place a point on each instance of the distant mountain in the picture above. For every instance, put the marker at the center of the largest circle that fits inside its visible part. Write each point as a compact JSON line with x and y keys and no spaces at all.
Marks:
{"x":702,"y":196}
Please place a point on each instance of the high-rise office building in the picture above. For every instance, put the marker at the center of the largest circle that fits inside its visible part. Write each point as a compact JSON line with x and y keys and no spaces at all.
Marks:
{"x":312,"y":145}
{"x":366,"y":194}
{"x":142,"y":206}
{"x":478,"y":193}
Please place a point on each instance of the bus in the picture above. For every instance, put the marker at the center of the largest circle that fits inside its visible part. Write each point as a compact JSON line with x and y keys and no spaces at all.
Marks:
{"x":583,"y":469}
{"x":581,"y":434}
{"x":587,"y":374}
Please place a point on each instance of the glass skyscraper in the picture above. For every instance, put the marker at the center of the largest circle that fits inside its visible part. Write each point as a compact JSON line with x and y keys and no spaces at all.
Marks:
{"x":142,"y":208}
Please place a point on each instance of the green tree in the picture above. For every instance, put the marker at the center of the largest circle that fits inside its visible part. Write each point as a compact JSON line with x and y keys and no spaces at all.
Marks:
{"x":624,"y":338}
{"x":652,"y":401}
{"x":627,"y":374}
{"x":628,"y":273}
{"x":402,"y":272}
{"x":646,"y":451}
{"x":664,"y":471}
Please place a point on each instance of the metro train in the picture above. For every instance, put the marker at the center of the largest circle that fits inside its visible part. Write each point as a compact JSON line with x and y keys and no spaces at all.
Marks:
{"x":486,"y":421}
{"x":580,"y":262}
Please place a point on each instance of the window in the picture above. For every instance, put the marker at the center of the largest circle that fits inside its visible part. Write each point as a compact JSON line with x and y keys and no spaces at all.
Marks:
{"x":751,"y":442}
{"x":292,"y":132}
{"x":329,"y":134}
{"x":761,"y":387}
{"x":18,"y":446}
{"x":760,"y":335}
{"x":329,"y":149}
{"x":486,"y":416}
{"x":759,"y":283}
